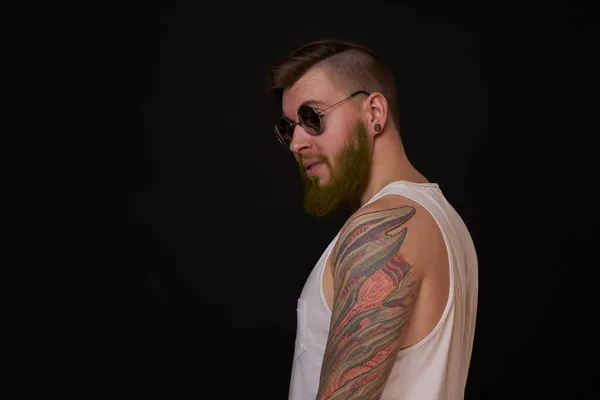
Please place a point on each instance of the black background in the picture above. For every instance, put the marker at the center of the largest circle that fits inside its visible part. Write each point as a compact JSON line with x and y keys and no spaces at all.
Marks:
{"x":165,"y":243}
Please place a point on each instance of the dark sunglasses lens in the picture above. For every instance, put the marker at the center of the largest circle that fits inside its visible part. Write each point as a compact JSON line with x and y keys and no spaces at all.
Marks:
{"x":310,"y":119}
{"x":284,"y":130}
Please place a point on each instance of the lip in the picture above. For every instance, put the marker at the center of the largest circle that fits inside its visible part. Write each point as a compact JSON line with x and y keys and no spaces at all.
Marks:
{"x":309,"y":164}
{"x":311,"y":167}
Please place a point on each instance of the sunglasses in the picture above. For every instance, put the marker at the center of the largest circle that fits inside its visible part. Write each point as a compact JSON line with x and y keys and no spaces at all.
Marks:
{"x":308,"y":118}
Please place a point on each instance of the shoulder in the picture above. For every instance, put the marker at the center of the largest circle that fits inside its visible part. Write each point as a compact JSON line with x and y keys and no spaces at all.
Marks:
{"x":398,"y":227}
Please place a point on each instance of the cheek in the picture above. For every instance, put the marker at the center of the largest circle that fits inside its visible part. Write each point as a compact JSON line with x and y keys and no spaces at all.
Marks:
{"x":335,"y":140}
{"x":343,"y":128}
{"x":328,"y":148}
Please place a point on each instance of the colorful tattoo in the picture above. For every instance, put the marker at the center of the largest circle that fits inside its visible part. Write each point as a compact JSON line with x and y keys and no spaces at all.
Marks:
{"x":375,"y":292}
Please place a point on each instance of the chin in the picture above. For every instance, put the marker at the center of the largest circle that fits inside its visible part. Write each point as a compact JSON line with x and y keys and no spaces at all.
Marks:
{"x":323,"y":177}
{"x":323,"y":182}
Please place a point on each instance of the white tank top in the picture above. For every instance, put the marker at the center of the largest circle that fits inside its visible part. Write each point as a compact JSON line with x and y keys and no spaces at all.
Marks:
{"x":437,"y":366}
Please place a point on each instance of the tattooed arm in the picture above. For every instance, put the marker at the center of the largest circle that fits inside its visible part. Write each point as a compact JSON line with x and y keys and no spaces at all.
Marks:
{"x":374,"y":289}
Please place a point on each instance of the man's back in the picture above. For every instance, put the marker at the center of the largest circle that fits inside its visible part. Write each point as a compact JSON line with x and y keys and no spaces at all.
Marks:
{"x":436,"y":366}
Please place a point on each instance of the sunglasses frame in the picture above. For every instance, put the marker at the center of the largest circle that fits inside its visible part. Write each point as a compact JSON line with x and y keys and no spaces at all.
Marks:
{"x":318,"y":113}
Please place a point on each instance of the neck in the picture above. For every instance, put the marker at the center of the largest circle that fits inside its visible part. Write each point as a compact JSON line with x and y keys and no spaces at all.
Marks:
{"x":389,"y":163}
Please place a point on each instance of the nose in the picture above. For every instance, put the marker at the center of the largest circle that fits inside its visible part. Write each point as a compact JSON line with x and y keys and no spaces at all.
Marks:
{"x":301,"y":141}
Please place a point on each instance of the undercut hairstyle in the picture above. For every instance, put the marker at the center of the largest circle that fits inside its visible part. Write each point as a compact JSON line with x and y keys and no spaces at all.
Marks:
{"x":351,"y":66}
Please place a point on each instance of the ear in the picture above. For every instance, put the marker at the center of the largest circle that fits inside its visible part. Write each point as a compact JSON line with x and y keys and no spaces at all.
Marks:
{"x":376,"y":112}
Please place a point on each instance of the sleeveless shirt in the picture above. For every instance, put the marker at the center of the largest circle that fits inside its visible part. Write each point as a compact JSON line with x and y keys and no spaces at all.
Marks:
{"x":436,"y":367}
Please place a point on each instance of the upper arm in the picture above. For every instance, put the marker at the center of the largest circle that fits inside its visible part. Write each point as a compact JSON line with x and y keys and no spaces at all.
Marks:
{"x":375,"y":286}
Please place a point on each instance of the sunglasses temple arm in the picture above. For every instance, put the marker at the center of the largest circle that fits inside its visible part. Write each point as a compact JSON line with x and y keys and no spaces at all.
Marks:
{"x":349,"y":97}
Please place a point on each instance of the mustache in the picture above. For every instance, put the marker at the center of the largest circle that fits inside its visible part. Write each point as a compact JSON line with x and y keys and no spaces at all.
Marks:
{"x":310,"y":158}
